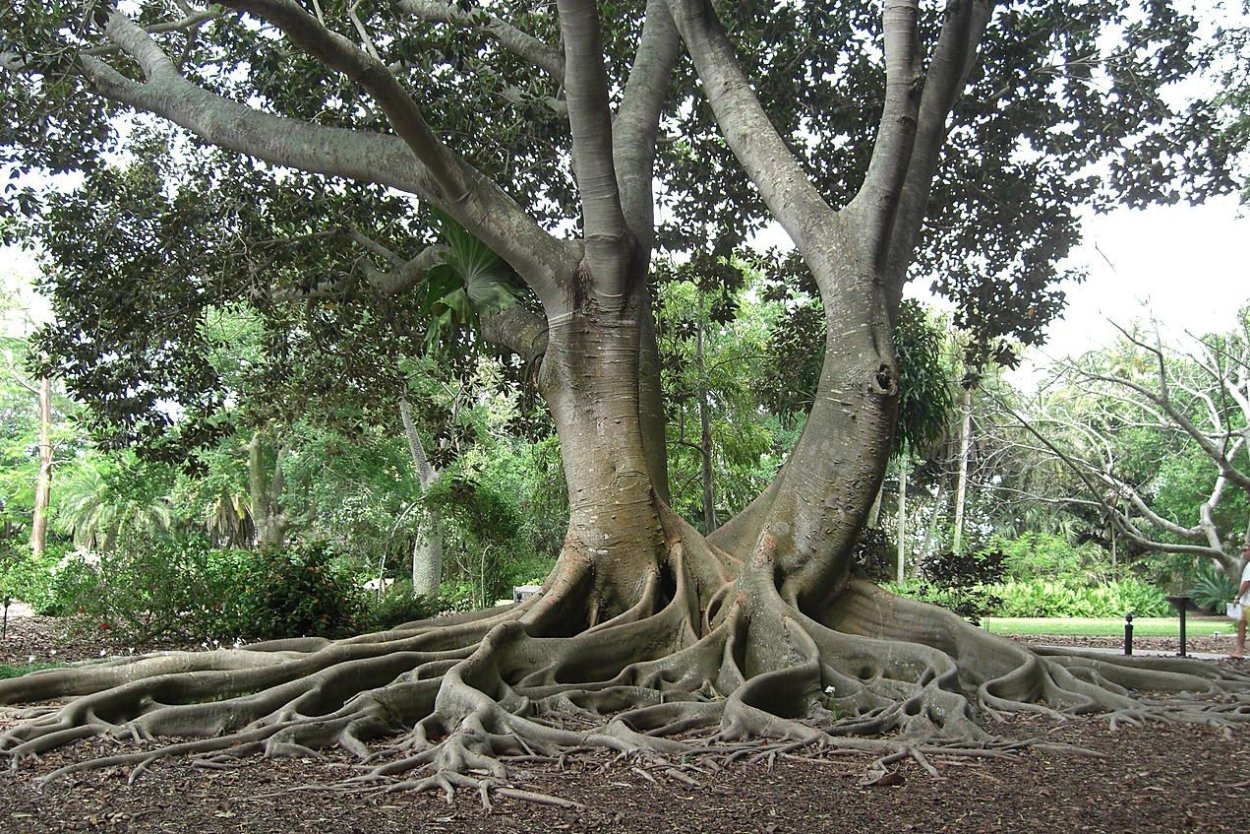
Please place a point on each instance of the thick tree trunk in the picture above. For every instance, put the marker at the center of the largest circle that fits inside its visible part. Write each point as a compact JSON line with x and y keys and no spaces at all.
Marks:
{"x":818,"y":503}
{"x":43,"y":480}
{"x":589,"y":378}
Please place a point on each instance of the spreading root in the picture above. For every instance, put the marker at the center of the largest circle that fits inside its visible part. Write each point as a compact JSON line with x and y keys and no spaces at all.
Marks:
{"x":710,"y":665}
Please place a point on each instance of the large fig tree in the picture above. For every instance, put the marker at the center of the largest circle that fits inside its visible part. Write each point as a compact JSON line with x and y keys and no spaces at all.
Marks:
{"x":551,"y":133}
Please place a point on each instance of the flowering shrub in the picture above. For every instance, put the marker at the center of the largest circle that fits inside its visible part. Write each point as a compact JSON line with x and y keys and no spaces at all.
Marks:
{"x":296,"y":591}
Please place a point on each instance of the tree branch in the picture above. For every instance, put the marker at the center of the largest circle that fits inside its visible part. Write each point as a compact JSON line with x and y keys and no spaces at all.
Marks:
{"x":543,"y":262}
{"x":519,"y":43}
{"x":881,"y":193}
{"x":1082,"y":469}
{"x":590,"y":121}
{"x":517,"y":329}
{"x":952,"y":63}
{"x":403,"y":275}
{"x":769,"y":163}
{"x":638,"y":120}
{"x":370,"y":73}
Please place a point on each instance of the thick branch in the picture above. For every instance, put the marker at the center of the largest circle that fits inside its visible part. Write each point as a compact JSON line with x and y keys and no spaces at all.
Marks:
{"x":405,"y":274}
{"x":637,"y":121}
{"x":879,"y":198}
{"x":948,"y":72}
{"x":543,"y":262}
{"x":770,"y":164}
{"x":517,"y":329}
{"x":590,"y":121}
{"x":370,"y":73}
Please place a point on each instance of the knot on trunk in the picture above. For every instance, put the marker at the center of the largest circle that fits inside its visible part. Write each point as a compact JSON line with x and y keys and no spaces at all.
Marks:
{"x":883,"y":380}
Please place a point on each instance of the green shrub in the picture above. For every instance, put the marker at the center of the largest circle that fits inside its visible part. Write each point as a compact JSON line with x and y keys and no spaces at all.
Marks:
{"x":526,"y":568}
{"x":7,"y":671}
{"x":925,"y":592}
{"x":962,"y":582}
{"x":1044,"y":555}
{"x":34,"y":580}
{"x":297,"y":590}
{"x":182,"y":588}
{"x":398,"y":606}
{"x":1050,"y":598}
{"x":150,"y":588}
{"x":459,"y":596}
{"x":1212,"y":588}
{"x":1068,"y":597}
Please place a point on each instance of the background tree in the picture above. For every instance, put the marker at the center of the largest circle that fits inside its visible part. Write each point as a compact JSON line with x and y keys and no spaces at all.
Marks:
{"x":645,"y":625}
{"x":1156,"y":437}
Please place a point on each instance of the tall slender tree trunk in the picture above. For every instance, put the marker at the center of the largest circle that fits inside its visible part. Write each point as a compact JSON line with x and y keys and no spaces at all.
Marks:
{"x":427,"y":550}
{"x":902,"y":512}
{"x":931,"y":527}
{"x":961,"y":486}
{"x":874,"y":512}
{"x":43,"y":480}
{"x":1114,"y":555}
{"x":705,"y":436}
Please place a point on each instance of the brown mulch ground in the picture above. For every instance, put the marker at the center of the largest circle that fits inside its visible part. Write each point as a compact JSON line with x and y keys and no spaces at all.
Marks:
{"x":1157,"y":778}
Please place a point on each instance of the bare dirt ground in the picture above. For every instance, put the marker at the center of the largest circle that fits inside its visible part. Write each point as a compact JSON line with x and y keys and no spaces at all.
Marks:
{"x":1156,"y":778}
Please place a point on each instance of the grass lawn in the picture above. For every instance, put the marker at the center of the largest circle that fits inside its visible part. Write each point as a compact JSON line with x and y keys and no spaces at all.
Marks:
{"x":1108,"y":626}
{"x":7,"y":671}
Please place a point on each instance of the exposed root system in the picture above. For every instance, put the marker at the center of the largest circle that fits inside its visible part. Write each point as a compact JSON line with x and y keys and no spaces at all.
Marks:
{"x":711,"y":665}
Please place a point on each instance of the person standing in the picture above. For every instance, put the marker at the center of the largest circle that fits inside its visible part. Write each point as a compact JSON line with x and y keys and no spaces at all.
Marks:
{"x":1243,"y":599}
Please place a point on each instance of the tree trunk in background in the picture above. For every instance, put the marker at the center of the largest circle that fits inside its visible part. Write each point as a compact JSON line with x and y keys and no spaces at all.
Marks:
{"x":902,"y":513}
{"x":1114,"y":560}
{"x":43,"y":481}
{"x":874,"y":512}
{"x":705,"y":438}
{"x":961,"y":486}
{"x":427,"y":551}
{"x":931,"y":528}
{"x":266,"y":497}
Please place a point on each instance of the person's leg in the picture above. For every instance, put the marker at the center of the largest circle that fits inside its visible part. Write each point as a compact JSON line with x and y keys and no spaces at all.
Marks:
{"x":1239,"y":647}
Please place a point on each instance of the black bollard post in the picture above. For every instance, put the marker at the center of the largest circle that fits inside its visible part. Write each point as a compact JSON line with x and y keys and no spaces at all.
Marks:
{"x":4,"y":633}
{"x":1182,"y":631}
{"x":1128,"y":633}
{"x":1181,"y":604}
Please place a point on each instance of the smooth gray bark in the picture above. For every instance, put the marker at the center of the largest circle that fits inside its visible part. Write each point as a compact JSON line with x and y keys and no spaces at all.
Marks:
{"x":961,"y":482}
{"x":427,"y":551}
{"x":43,"y":478}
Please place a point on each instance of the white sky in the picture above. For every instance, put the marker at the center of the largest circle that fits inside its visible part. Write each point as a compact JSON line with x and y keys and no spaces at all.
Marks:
{"x":1186,"y":266}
